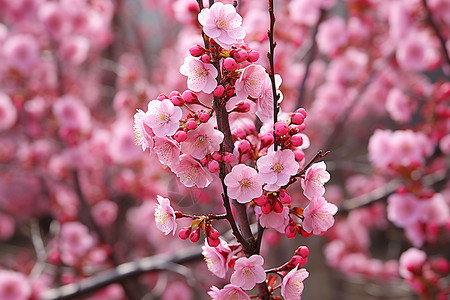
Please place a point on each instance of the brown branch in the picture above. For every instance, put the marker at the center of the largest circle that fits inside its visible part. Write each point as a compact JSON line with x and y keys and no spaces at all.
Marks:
{"x":270,"y":56}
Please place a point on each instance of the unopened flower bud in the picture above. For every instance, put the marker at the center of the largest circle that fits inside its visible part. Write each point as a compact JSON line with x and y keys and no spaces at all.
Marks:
{"x":229,"y":64}
{"x":303,"y":251}
{"x":290,"y":231}
{"x":266,"y":139}
{"x":300,"y":128}
{"x":281,"y":128}
{"x":203,"y":117}
{"x":253,"y":56}
{"x":217,"y":156}
{"x":206,"y":58}
{"x":213,"y":242}
{"x":285,"y":198}
{"x":299,"y":155}
{"x":184,"y":233}
{"x":244,"y":147}
{"x":213,"y":166}
{"x":177,"y":100}
{"x":297,"y":260}
{"x":191,"y":124}
{"x":162,"y":97}
{"x":180,"y":136}
{"x":195,"y":235}
{"x":240,"y":55}
{"x":297,"y":140}
{"x":297,"y":118}
{"x":219,"y":91}
{"x":277,"y":207}
{"x":213,"y":233}
{"x":266,"y":208}
{"x":196,"y":50}
{"x":441,"y":265}
{"x":189,"y":97}
{"x":242,"y":107}
{"x":227,"y":157}
{"x":302,"y":111}
{"x":260,"y":200}
{"x":174,"y":94}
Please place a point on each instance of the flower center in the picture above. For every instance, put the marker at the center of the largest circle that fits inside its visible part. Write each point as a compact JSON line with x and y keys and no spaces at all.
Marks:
{"x":201,"y":140}
{"x":164,"y":117}
{"x":277,"y":167}
{"x":221,"y":24}
{"x":245,"y":183}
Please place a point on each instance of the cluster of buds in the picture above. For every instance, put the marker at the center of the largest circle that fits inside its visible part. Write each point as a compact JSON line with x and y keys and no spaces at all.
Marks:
{"x":201,"y":224}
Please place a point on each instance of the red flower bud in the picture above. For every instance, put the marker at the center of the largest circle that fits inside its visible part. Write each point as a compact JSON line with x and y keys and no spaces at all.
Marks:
{"x":184,"y":233}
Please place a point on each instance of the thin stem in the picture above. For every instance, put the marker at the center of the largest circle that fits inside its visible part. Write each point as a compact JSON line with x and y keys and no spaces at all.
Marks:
{"x":270,"y":56}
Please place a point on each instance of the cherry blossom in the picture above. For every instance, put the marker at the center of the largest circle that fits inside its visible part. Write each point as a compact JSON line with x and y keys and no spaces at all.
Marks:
{"x":264,"y":104}
{"x":222,"y":23}
{"x":191,"y":172}
{"x":167,"y":150}
{"x":105,"y":212}
{"x":21,"y":51}
{"x":251,"y":82}
{"x":218,"y":258}
{"x":248,"y":272}
{"x":165,"y":216}
{"x":8,"y":113}
{"x":315,"y":177}
{"x":411,"y":260}
{"x":14,"y":286}
{"x":276,"y":168}
{"x":292,"y":285}
{"x":277,"y":221}
{"x":318,"y":216}
{"x":244,"y":183}
{"x":229,"y":292}
{"x":202,"y":141}
{"x":163,"y":117}
{"x":404,"y":209}
{"x":201,"y":76}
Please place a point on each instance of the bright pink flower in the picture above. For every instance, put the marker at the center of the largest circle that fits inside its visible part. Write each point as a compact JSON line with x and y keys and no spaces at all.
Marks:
{"x":8,"y":112}
{"x":292,"y":285}
{"x":167,"y":149}
{"x":248,"y":272}
{"x":222,"y":23}
{"x":218,"y":258}
{"x":418,"y":51}
{"x":14,"y":286}
{"x":191,"y":172}
{"x":105,"y":212}
{"x":276,"y":168}
{"x":411,"y":260}
{"x":75,"y":242}
{"x":163,"y":117}
{"x":244,"y":183}
{"x":399,"y":106}
{"x":229,"y":292}
{"x":315,"y":177}
{"x":201,"y":76}
{"x":202,"y":141}
{"x":404,"y":209}
{"x":144,"y":134}
{"x":251,"y":82}
{"x":277,"y":221}
{"x":74,"y":49}
{"x":264,"y":104}
{"x":21,"y":51}
{"x":54,"y":18}
{"x":318,"y":216}
{"x":165,"y":216}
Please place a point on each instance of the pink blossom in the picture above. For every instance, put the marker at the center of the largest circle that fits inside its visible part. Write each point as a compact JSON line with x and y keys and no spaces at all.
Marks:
{"x":332,"y":35}
{"x":264,"y":104}
{"x":163,"y":117}
{"x":21,"y":51}
{"x":105,"y":212}
{"x":165,"y":216}
{"x":8,"y":112}
{"x":229,"y":292}
{"x":71,"y":113}
{"x":244,"y":183}
{"x":318,"y":216}
{"x":411,"y":260}
{"x":167,"y":149}
{"x":191,"y":172}
{"x":54,"y":18}
{"x":14,"y":286}
{"x":222,"y":23}
{"x":7,"y":227}
{"x":74,"y":49}
{"x":418,"y":51}
{"x":276,"y":168}
{"x":399,"y":106}
{"x":218,"y":258}
{"x":202,"y":141}
{"x":122,"y":148}
{"x":277,"y":221}
{"x":404,"y":209}
{"x":292,"y":285}
{"x":251,"y":82}
{"x":177,"y":290}
{"x":75,"y":242}
{"x":315,"y":177}
{"x":444,"y":144}
{"x":435,"y":210}
{"x":248,"y":272}
{"x":144,"y":134}
{"x":201,"y":76}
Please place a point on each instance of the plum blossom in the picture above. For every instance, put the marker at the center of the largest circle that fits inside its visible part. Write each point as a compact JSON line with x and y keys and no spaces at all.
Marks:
{"x":14,"y":286}
{"x":404,"y":209}
{"x":222,"y":23}
{"x":277,"y":221}
{"x":292,"y":285}
{"x":410,"y":260}
{"x":8,"y":112}
{"x":332,"y":35}
{"x":276,"y":168}
{"x":218,"y":258}
{"x":244,"y":183}
{"x":72,"y":113}
{"x":202,"y":141}
{"x":165,"y":216}
{"x":21,"y":51}
{"x":163,"y":117}
{"x":167,"y":150}
{"x":315,"y":177}
{"x":201,"y":76}
{"x":318,"y":216}
{"x":399,"y":106}
{"x":248,"y":272}
{"x":264,"y":104}
{"x":229,"y":292}
{"x":251,"y":82}
{"x":105,"y":212}
{"x":144,"y":134}
{"x":191,"y":172}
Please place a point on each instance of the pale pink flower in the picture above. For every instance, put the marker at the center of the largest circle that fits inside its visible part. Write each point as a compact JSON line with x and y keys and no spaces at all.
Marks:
{"x":315,"y":177}
{"x":277,"y":221}
{"x":105,"y":212}
{"x":410,"y":260}
{"x":75,"y":242}
{"x":229,"y":292}
{"x":264,"y":104}
{"x":318,"y":216}
{"x":8,"y":112}
{"x":165,"y":216}
{"x":21,"y":51}
{"x":435,"y":210}
{"x":163,"y":117}
{"x":72,"y":113}
{"x":74,"y":49}
{"x":14,"y":286}
{"x":276,"y":168}
{"x":167,"y":149}
{"x":54,"y":18}
{"x":144,"y":134}
{"x":201,"y":76}
{"x":251,"y":82}
{"x":121,"y":145}
{"x":218,"y":258}
{"x":244,"y":183}
{"x":404,"y":209}
{"x":202,"y":141}
{"x":332,"y":35}
{"x":310,"y":11}
{"x":399,"y":106}
{"x":248,"y":272}
{"x":222,"y":23}
{"x":191,"y":172}
{"x":418,"y":51}
{"x":292,"y":285}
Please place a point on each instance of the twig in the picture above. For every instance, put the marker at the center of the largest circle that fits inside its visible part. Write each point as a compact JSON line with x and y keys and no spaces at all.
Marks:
{"x":311,"y":56}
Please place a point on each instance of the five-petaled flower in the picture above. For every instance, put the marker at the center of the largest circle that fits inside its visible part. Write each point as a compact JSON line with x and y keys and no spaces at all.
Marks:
{"x":165,"y":216}
{"x":163,"y":117}
{"x":292,"y":285}
{"x":202,"y":141}
{"x":318,"y":216}
{"x":244,"y":183}
{"x":248,"y":272}
{"x":315,"y":177}
{"x":276,"y":168}
{"x":201,"y":76}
